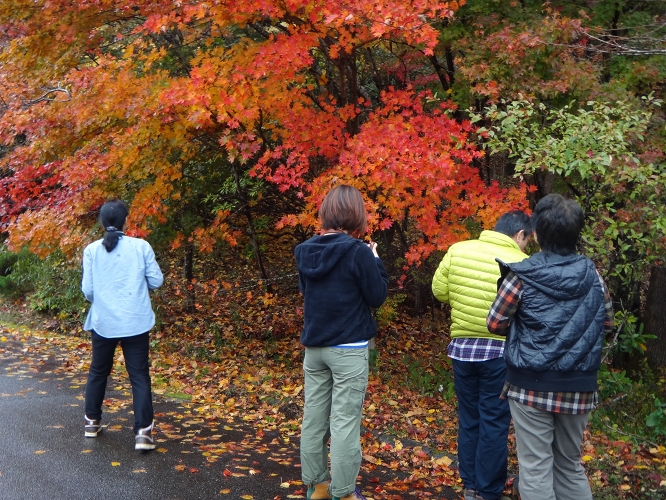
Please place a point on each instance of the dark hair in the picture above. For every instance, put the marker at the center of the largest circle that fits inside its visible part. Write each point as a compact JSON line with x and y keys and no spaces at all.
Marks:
{"x":511,"y":223}
{"x":557,"y":222}
{"x":112,"y":215}
{"x":344,"y":209}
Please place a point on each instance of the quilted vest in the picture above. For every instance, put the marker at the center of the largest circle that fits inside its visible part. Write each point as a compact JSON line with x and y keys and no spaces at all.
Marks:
{"x":467,"y":279}
{"x":555,"y":339}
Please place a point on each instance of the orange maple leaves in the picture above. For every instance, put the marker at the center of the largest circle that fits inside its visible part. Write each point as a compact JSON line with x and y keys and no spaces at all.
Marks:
{"x":272,"y":88}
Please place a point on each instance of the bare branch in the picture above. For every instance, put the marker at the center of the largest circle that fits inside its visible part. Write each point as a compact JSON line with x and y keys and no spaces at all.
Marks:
{"x":49,"y":96}
{"x":639,"y":45}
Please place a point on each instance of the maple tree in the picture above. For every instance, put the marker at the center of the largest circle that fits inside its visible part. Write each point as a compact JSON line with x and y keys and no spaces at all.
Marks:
{"x":144,"y":99}
{"x":168,"y":103}
{"x":226,"y":122}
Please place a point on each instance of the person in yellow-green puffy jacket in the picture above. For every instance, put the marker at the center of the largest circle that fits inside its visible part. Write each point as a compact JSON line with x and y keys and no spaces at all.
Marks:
{"x":467,"y":280}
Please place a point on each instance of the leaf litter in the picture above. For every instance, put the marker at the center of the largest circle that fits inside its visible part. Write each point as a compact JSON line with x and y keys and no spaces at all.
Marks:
{"x":232,"y":373}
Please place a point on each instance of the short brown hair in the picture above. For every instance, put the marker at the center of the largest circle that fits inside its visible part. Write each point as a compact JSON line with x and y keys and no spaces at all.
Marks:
{"x":344,"y":209}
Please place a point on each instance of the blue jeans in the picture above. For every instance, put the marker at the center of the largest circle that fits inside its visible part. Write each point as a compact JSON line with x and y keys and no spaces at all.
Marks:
{"x":483,"y":426}
{"x":135,"y":351}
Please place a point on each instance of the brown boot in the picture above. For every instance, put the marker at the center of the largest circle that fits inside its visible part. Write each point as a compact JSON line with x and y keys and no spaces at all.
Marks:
{"x":318,"y":492}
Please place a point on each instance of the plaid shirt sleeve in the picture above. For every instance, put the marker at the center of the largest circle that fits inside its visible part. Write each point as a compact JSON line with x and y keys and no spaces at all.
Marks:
{"x":505,"y":306}
{"x":608,"y":303}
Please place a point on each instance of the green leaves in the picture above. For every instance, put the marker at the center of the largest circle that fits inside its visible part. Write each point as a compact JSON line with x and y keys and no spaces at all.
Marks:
{"x":568,"y":141}
{"x":598,"y":154}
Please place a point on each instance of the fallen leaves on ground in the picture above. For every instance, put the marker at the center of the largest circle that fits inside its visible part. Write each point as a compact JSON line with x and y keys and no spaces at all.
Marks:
{"x":231,"y":372}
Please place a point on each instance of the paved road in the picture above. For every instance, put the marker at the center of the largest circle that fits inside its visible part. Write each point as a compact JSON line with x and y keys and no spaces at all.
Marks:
{"x":44,"y":455}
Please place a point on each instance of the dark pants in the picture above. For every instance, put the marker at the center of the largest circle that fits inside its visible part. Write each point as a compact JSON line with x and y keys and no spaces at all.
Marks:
{"x":483,"y":429}
{"x":135,"y":351}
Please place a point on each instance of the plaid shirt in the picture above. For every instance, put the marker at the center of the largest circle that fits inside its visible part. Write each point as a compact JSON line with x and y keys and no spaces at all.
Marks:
{"x":557,"y":402}
{"x":499,"y":318}
{"x":475,"y":349}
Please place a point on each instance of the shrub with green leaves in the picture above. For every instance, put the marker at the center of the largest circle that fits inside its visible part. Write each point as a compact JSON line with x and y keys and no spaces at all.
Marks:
{"x":8,"y":284}
{"x":657,"y":419}
{"x":388,"y":311}
{"x":49,"y":285}
{"x":595,"y":151}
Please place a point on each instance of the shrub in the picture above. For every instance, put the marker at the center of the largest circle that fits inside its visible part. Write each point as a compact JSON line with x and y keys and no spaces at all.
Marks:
{"x":50,"y":285}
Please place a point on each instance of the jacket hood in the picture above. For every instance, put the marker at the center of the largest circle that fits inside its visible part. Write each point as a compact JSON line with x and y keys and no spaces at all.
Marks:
{"x":557,"y":276}
{"x":317,"y":256}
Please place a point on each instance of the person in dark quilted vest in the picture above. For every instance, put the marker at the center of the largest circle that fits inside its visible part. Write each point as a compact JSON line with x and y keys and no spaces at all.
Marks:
{"x":555,"y":309}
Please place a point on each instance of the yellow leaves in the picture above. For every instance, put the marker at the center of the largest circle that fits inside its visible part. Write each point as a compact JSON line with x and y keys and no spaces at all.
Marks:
{"x":443,"y":461}
{"x":115,"y":464}
{"x":3,"y":339}
{"x":129,"y":51}
{"x":225,"y":491}
{"x":372,"y":460}
{"x":40,"y":452}
{"x":586,"y":458}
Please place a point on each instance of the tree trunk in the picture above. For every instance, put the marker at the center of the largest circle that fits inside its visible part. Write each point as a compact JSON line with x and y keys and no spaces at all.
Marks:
{"x":545,"y":182}
{"x":188,"y":265}
{"x":654,"y":318}
{"x":418,"y":299}
{"x":250,"y":223}
{"x":450,"y":64}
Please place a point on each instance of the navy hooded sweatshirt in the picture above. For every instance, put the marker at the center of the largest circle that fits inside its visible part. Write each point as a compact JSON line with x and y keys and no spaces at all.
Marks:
{"x":340,"y":279}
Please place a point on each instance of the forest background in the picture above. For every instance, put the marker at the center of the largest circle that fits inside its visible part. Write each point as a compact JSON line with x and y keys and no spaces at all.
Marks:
{"x":224,"y":123}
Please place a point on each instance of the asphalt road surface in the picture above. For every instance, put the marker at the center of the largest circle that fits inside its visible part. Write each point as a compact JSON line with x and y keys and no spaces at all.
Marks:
{"x":44,"y":454}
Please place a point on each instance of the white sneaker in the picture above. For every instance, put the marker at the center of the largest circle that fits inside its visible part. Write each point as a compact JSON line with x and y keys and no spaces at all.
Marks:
{"x":91,"y":427}
{"x":144,"y":439}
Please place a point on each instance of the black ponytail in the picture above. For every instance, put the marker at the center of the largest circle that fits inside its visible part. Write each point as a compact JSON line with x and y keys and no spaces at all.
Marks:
{"x":112,"y":215}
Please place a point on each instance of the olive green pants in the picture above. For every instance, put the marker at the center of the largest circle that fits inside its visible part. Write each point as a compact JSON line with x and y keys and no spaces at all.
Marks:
{"x":335,"y":383}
